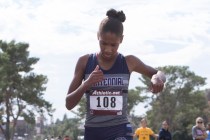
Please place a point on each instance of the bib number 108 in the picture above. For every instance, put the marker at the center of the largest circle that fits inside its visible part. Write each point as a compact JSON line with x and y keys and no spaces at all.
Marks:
{"x":106,"y":102}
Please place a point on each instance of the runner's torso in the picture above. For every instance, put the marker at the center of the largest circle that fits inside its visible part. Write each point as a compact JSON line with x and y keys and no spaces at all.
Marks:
{"x":106,"y":101}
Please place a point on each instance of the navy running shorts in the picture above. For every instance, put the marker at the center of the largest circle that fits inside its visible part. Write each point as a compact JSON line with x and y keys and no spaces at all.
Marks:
{"x":117,"y":132}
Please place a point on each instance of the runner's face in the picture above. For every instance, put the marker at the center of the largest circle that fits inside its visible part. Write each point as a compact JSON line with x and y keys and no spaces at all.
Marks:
{"x":109,"y":43}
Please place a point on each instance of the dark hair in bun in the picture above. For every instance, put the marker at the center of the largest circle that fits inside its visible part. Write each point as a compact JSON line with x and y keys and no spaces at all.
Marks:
{"x":113,"y":23}
{"x":112,"y":13}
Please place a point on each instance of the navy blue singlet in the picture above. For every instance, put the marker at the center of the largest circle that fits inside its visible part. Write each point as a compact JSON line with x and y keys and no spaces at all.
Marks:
{"x":106,"y":101}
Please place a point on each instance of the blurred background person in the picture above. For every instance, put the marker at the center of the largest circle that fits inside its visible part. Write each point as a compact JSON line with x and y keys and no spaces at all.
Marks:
{"x":164,"y":133}
{"x":199,"y":130}
{"x":144,"y":133}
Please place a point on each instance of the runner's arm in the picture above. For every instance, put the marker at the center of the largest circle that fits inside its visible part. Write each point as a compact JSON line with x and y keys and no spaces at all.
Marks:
{"x":135,"y":64}
{"x":77,"y":88}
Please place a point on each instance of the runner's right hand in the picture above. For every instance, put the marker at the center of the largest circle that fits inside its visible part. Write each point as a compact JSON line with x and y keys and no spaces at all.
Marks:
{"x":95,"y":77}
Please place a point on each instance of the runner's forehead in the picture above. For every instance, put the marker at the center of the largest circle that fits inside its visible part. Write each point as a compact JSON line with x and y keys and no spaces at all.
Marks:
{"x":110,"y":38}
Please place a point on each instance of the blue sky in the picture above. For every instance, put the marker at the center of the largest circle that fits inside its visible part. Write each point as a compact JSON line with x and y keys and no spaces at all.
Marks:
{"x":163,"y":32}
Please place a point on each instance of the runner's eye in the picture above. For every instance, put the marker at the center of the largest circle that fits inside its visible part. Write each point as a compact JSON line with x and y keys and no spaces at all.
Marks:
{"x":103,"y":43}
{"x":114,"y":45}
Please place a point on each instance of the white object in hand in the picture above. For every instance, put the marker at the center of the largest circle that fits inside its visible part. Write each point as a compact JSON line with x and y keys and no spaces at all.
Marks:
{"x":154,"y":79}
{"x":159,"y":76}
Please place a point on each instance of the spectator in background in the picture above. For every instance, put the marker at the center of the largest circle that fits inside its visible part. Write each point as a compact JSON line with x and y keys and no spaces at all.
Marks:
{"x":164,"y":133}
{"x":199,"y":130}
{"x":144,"y":132}
{"x":208,"y":131}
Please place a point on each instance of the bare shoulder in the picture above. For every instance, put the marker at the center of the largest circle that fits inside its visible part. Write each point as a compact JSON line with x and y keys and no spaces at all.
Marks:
{"x":84,"y":57}
{"x":132,"y":61}
{"x":82,"y":61}
{"x":80,"y":66}
{"x":130,"y":58}
{"x":78,"y":73}
{"x":135,"y":64}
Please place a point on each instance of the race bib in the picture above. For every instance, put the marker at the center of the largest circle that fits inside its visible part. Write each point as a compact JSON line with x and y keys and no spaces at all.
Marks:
{"x":103,"y":102}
